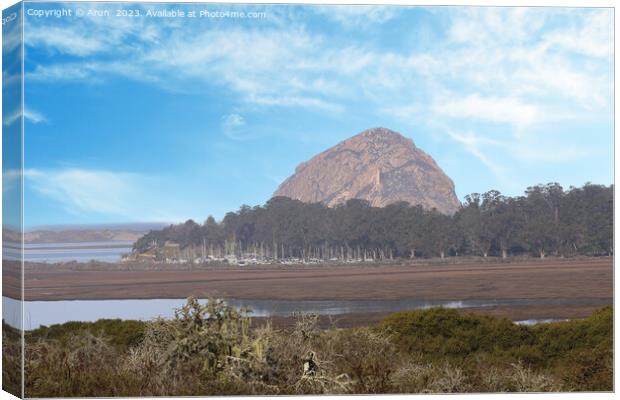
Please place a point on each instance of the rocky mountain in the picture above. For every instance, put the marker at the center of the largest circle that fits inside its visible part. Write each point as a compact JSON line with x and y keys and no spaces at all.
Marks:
{"x":378,"y":165}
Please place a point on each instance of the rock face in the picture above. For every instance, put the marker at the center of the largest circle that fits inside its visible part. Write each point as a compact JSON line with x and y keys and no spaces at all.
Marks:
{"x":377,"y":165}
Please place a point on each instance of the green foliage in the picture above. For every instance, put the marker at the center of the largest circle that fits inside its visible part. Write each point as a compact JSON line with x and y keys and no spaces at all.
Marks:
{"x":581,"y":351}
{"x":578,"y":353}
{"x":451,"y":334}
{"x":119,"y":333}
{"x":545,"y":221}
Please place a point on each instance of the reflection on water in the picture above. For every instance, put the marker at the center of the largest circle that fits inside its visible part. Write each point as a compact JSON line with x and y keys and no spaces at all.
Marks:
{"x":12,"y":312}
{"x":107,"y":251}
{"x":529,"y":322}
{"x":37,"y":313}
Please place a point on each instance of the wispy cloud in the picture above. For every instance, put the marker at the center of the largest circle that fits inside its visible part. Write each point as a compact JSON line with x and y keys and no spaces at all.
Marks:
{"x":12,"y":34}
{"x":28,"y":114}
{"x":11,"y":118}
{"x":34,"y":116}
{"x":66,"y":40}
{"x":232,"y":126}
{"x":493,"y":76}
{"x":474,"y":144}
{"x":508,"y":110}
{"x":232,"y":121}
{"x":489,"y":53}
{"x":590,"y":37}
{"x":357,"y":16}
{"x":130,"y":196}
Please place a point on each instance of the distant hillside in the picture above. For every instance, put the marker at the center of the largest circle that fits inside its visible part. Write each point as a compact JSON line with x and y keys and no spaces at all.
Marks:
{"x":88,"y":233}
{"x":378,"y":165}
{"x":75,"y":236}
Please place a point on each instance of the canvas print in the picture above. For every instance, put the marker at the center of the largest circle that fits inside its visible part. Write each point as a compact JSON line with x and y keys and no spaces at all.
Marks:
{"x":283,"y":199}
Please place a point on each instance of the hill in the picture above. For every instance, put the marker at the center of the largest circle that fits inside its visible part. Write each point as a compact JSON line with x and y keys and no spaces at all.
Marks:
{"x":377,"y":165}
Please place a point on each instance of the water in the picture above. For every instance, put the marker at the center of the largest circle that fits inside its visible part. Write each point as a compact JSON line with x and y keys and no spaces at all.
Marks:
{"x":529,"y":322}
{"x":37,"y":313}
{"x":107,"y":251}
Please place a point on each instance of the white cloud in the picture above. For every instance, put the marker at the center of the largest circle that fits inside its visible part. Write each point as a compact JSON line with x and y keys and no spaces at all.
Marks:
{"x":590,"y":38}
{"x":294,"y":101}
{"x":34,"y":116}
{"x":553,"y":76}
{"x":12,"y":35}
{"x":474,"y":145}
{"x":233,"y":126}
{"x":501,"y":154}
{"x":30,"y":115}
{"x":258,"y":65}
{"x":231,"y":121}
{"x":524,"y":51}
{"x":496,"y":81}
{"x":497,"y":65}
{"x":90,"y":36}
{"x":92,"y":72}
{"x":357,"y":16}
{"x":116,"y":194}
{"x":529,"y":149}
{"x":484,"y":25}
{"x":64,"y":72}
{"x":101,"y":192}
{"x":261,"y":66}
{"x":67,"y":40}
{"x":11,"y":118}
{"x":494,"y":109}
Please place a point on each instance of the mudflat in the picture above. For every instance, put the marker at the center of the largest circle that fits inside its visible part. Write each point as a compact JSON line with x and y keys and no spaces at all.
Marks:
{"x":590,"y":278}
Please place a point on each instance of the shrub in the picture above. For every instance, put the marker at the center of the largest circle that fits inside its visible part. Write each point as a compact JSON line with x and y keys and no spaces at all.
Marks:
{"x":11,"y":360}
{"x":120,"y":334}
{"x":367,"y":357}
{"x":83,"y":366}
{"x":210,"y":349}
{"x":453,"y":334}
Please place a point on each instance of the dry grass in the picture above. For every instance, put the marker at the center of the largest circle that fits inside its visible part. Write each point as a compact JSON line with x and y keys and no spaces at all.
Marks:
{"x":213,"y":350}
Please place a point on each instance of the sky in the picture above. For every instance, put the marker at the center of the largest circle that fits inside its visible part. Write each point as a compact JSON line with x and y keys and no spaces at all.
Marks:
{"x":163,"y":119}
{"x":11,"y":118}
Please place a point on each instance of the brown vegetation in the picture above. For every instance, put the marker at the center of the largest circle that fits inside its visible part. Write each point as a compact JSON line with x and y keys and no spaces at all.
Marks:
{"x":213,"y":350}
{"x":553,"y":278}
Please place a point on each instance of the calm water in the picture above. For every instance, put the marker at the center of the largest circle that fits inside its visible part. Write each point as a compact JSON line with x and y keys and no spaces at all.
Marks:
{"x":108,"y":251}
{"x":37,"y":313}
{"x":530,"y":322}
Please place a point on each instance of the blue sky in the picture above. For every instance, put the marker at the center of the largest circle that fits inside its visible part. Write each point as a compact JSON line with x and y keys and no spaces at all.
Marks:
{"x":11,"y":113}
{"x":163,"y":119}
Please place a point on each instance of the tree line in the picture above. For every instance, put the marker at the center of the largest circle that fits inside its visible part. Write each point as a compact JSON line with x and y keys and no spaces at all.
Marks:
{"x":546,"y":220}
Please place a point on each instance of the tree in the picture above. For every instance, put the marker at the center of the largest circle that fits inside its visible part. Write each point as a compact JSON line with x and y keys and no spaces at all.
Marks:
{"x":474,"y":222}
{"x":542,"y":223}
{"x":547,"y":220}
